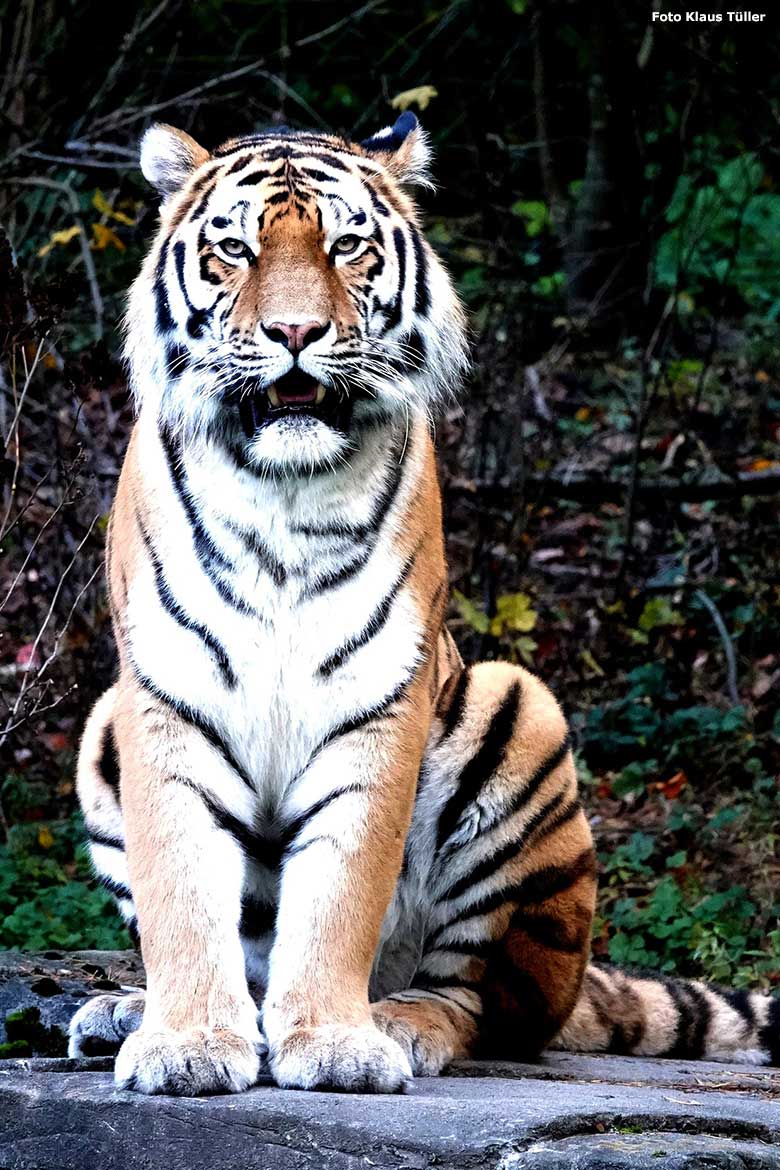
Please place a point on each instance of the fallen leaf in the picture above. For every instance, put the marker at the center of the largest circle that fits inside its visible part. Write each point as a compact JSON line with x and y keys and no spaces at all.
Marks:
{"x":101,"y":204}
{"x":104,"y":236}
{"x":420,"y":96}
{"x":672,"y":787}
{"x":45,"y":839}
{"x":59,"y":239}
{"x":27,"y":657}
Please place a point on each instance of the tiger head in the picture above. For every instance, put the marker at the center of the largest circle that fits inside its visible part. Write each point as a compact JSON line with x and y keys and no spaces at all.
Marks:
{"x":290,"y":302}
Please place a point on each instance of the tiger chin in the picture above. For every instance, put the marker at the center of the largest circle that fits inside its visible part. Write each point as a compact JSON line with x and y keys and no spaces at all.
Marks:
{"x":349,"y":858}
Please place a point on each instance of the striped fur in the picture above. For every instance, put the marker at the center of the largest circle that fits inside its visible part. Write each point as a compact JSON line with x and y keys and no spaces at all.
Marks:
{"x":299,"y":795}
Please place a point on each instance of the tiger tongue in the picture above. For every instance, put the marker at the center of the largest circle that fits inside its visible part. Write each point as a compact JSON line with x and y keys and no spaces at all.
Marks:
{"x":296,"y":397}
{"x":295,"y":388}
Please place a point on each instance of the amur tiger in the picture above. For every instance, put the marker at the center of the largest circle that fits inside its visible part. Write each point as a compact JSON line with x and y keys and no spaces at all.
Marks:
{"x":346,"y":853}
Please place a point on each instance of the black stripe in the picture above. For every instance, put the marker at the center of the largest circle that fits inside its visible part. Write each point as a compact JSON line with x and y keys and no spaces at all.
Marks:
{"x":482,"y":764}
{"x":165,"y":320}
{"x":206,"y":549}
{"x":394,"y":316}
{"x":108,"y":765}
{"x":205,"y":545}
{"x":339,"y":576}
{"x":258,"y":917}
{"x":98,"y":837}
{"x":378,"y":204}
{"x":542,"y":820}
{"x":740,"y":1002}
{"x":693,"y":1017}
{"x":254,"y":544}
{"x":400,"y":998}
{"x":195,"y":719}
{"x":296,"y":826}
{"x":329,"y":159}
{"x":178,"y":259}
{"x":454,"y":712}
{"x":769,"y":1033}
{"x":534,"y":889}
{"x":431,"y":982}
{"x":197,"y":317}
{"x":118,"y":889}
{"x":548,"y":766}
{"x":376,"y":711}
{"x":240,"y":163}
{"x":545,"y":883}
{"x":359,"y":532}
{"x":209,"y":183}
{"x":253,"y":178}
{"x":255,"y":846}
{"x":317,"y":176}
{"x":490,"y":865}
{"x":422,"y":296}
{"x":175,"y":610}
{"x":550,"y":931}
{"x":374,"y":624}
{"x":566,"y":814}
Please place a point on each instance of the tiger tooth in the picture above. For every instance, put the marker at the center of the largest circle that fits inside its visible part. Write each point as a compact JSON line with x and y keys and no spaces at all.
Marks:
{"x":320,"y":395}
{"x":273,"y":396}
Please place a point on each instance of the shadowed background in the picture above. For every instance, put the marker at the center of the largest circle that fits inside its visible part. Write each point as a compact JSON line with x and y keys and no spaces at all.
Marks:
{"x":608,"y":205}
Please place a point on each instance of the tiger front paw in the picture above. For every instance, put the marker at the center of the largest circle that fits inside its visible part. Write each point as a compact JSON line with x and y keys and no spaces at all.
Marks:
{"x":191,"y":1063}
{"x":338,"y":1057}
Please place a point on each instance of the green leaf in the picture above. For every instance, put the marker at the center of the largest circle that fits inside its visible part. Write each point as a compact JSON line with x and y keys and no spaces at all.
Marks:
{"x":473,"y":617}
{"x":514,"y":612}
{"x":534,"y":214}
{"x":658,"y":612}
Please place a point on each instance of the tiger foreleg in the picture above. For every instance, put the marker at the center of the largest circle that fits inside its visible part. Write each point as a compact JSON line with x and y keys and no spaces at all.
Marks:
{"x":199,"y":1031}
{"x":342,"y":859}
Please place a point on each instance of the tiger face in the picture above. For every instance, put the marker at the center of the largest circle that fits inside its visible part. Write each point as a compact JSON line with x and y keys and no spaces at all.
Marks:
{"x":290,"y":301}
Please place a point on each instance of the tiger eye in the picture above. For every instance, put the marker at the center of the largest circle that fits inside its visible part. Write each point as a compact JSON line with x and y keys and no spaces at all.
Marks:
{"x":234,"y":248}
{"x":346,"y":245}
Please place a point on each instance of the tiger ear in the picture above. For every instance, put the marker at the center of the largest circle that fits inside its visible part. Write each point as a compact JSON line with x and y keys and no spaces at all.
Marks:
{"x":403,"y":149}
{"x":169,"y":157}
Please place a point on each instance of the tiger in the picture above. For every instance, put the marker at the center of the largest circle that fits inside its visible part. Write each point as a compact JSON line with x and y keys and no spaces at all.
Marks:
{"x":350,"y":859}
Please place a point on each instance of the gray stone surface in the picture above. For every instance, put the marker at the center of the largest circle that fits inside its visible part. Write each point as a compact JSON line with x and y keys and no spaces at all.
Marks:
{"x":583,"y":1112}
{"x":56,"y":983}
{"x":594,"y":1113}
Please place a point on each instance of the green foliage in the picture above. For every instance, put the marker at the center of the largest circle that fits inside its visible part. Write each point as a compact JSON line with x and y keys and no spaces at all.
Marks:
{"x":512,"y":622}
{"x":47,"y":897}
{"x":27,"y":1036}
{"x":678,"y":927}
{"x":722,"y":230}
{"x":660,"y":916}
{"x":647,"y":721}
{"x":534,"y":214}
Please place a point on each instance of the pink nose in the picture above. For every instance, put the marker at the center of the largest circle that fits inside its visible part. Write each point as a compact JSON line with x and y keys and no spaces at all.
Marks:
{"x":295,"y":337}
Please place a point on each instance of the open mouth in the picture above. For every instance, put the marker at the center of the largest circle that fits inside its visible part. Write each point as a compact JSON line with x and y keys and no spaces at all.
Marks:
{"x":297,"y":394}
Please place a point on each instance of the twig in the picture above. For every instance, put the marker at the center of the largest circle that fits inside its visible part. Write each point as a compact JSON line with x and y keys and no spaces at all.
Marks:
{"x":86,"y":256}
{"x":318,"y":36}
{"x":728,"y":646}
{"x":27,"y":681}
{"x":595,"y":489}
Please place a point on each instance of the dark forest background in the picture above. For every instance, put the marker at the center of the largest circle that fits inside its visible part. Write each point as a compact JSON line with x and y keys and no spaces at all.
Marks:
{"x":609,"y":204}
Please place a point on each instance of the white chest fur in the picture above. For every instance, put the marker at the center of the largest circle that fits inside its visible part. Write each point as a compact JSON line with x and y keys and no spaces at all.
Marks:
{"x":259,"y":612}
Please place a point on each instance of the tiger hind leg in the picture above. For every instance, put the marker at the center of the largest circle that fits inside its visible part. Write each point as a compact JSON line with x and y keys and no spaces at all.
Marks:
{"x":503,"y":853}
{"x":101,"y":1024}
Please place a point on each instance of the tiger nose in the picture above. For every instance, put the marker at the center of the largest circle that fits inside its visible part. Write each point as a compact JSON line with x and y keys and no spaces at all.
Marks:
{"x":295,"y":337}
